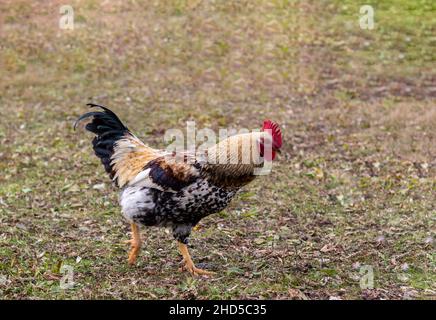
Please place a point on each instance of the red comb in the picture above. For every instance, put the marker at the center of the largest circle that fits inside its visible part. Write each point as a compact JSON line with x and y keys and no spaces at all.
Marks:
{"x":275,"y":131}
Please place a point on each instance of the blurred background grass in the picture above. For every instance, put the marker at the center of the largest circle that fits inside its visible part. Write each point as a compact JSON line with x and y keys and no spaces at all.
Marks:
{"x":355,"y":186}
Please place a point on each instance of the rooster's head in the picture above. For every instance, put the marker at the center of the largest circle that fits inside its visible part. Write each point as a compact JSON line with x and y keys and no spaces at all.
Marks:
{"x":276,"y":140}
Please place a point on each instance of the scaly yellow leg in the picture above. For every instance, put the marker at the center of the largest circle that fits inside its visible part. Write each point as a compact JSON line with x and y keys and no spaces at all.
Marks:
{"x":135,"y":244}
{"x":189,"y":265}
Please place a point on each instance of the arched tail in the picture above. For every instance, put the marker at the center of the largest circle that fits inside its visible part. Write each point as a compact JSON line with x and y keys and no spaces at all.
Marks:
{"x":108,"y":129}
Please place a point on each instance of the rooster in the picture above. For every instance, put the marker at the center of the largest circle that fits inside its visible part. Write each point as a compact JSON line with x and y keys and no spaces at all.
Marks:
{"x":157,"y":189}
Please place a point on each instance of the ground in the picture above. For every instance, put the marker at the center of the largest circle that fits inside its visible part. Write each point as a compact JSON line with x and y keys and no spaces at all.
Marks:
{"x":353,"y":191}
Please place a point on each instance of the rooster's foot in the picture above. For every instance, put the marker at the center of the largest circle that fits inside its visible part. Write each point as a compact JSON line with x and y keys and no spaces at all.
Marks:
{"x":189,"y":265}
{"x":192,"y":269}
{"x":135,"y":245}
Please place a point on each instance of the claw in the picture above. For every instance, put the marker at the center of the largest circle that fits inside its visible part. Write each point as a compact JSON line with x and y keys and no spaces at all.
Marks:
{"x":189,"y":265}
{"x":196,"y":271}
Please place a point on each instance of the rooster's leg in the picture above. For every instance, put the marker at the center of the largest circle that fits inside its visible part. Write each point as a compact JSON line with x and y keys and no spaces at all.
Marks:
{"x":135,"y":244}
{"x":189,"y":265}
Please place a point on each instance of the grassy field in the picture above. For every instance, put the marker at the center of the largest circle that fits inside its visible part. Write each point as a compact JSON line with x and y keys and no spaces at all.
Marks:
{"x":354,"y":187}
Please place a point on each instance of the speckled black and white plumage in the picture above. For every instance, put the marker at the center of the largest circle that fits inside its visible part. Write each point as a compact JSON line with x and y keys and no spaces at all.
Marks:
{"x":180,"y":210}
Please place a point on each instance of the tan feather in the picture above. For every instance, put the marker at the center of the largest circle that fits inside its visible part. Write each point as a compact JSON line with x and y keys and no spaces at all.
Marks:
{"x":232,"y":161}
{"x":130,"y":156}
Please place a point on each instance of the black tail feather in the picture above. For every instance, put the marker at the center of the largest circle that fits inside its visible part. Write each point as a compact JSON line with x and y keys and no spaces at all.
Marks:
{"x":108,"y":129}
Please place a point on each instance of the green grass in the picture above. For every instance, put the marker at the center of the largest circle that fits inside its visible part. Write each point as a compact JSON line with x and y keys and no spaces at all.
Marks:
{"x":354,"y":186}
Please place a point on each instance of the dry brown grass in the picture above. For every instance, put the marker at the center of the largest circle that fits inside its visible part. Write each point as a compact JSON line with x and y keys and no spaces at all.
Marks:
{"x":355,"y":185}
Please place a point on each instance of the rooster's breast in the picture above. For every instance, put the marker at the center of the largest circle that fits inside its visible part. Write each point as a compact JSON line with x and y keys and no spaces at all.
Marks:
{"x":153,"y":207}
